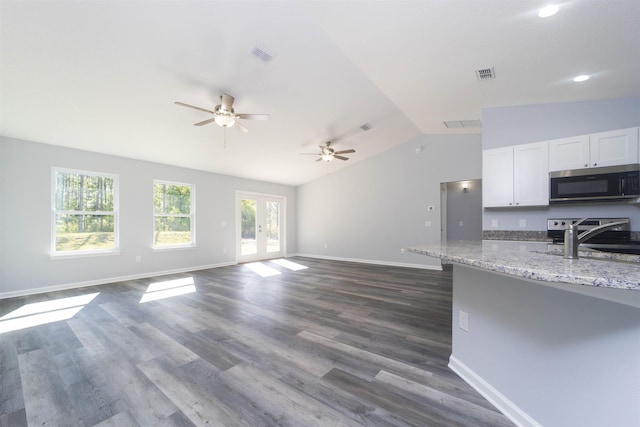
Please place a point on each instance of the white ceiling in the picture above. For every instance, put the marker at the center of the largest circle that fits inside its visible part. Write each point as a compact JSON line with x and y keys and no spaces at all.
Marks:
{"x":103,"y":75}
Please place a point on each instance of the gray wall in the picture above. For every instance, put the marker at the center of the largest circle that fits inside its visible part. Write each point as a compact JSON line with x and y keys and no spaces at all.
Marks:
{"x":25,"y":182}
{"x":505,"y":126}
{"x":371,"y":210}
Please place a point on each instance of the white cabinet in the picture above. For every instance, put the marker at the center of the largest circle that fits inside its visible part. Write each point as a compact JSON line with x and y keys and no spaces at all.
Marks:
{"x":516,"y":176}
{"x":531,"y":174}
{"x":497,"y":177}
{"x":618,"y":147}
{"x":569,"y":153}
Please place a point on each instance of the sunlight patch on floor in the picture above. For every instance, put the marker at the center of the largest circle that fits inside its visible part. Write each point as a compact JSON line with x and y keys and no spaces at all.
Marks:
{"x":262,"y":269}
{"x":168,"y":289}
{"x":293,"y":266}
{"x":41,"y":313}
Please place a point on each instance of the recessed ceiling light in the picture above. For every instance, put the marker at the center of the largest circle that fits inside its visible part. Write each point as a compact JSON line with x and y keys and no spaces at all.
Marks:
{"x":581,"y":78}
{"x":548,"y":11}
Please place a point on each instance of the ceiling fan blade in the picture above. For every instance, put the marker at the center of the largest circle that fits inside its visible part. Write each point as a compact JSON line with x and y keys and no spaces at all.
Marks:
{"x":253,"y":116}
{"x":345,"y":151}
{"x":205,"y":122}
{"x":226,"y":101}
{"x":319,"y":159}
{"x":240,"y":127}
{"x":341,"y":157}
{"x":182,"y":104}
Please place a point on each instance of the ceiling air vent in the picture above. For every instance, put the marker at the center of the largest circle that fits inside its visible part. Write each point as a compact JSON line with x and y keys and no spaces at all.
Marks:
{"x":452,"y":124}
{"x":261,"y":53}
{"x":485,"y":74}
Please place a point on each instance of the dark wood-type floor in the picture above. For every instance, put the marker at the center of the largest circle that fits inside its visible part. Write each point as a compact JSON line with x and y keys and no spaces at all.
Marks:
{"x":335,"y":344}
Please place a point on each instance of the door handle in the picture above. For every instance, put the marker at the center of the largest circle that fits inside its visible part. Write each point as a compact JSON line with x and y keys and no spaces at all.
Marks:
{"x":259,"y":229}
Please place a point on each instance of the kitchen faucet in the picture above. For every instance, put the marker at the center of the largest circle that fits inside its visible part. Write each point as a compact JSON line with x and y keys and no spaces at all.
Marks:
{"x":572,"y":239}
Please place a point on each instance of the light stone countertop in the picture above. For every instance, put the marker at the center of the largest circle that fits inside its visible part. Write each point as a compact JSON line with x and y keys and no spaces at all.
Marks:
{"x":540,"y":261}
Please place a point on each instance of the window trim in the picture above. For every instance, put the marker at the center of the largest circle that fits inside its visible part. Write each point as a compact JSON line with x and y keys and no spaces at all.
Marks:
{"x":191,"y":215}
{"x":54,"y":253}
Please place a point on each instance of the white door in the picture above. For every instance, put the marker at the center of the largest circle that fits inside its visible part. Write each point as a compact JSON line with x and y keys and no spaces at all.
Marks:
{"x":260,"y":226}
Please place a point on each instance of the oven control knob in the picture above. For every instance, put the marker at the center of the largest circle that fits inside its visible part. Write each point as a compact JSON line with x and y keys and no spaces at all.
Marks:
{"x":564,"y":223}
{"x":555,"y":222}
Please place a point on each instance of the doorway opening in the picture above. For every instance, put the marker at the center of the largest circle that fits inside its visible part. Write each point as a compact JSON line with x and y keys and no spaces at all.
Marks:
{"x":461,"y":213}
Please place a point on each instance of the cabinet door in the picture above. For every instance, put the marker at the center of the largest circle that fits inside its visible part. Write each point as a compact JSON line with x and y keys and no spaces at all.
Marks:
{"x":531,"y":174}
{"x":618,"y":147}
{"x":569,"y":153}
{"x":497,"y":177}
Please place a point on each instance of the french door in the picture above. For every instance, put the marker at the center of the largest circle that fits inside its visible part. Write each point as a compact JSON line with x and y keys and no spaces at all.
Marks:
{"x":260,"y":226}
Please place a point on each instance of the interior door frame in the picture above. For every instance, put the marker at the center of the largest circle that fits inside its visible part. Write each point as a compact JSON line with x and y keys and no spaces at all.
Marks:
{"x":243,"y":194}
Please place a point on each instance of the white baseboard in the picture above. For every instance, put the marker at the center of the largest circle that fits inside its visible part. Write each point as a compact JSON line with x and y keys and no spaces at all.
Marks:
{"x":497,"y":399}
{"x":105,"y":281}
{"x":366,"y":261}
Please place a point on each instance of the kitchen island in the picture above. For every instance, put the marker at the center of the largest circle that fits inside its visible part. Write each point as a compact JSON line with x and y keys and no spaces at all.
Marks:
{"x":548,"y":341}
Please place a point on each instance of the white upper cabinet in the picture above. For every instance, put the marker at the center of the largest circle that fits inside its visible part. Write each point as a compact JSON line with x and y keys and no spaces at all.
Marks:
{"x":569,"y":153}
{"x":497,"y":177}
{"x":531,"y":174}
{"x":618,"y":147}
{"x":516,"y":176}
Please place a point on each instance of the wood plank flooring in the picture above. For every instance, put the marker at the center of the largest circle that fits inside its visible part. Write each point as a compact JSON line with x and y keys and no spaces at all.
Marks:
{"x":333,"y":344}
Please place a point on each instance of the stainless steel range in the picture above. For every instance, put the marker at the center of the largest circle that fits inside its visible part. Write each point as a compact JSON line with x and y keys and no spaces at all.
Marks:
{"x":617,"y":239}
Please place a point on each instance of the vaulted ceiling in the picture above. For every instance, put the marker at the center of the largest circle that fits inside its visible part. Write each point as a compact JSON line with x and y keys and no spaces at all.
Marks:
{"x":103,"y":75}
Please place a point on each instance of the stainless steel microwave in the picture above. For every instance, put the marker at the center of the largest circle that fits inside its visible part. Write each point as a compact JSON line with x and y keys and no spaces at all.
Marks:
{"x":584,"y":185}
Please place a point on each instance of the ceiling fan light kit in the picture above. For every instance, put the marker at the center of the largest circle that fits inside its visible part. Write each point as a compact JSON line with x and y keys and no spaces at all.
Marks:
{"x":224,"y":115}
{"x":224,"y":121}
{"x":327,"y":153}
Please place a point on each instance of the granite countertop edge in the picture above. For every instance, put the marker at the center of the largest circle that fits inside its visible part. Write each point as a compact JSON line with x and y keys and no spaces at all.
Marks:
{"x":531,"y":260}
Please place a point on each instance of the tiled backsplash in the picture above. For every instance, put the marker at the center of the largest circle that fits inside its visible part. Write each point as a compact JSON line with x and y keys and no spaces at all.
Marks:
{"x":530,"y":236}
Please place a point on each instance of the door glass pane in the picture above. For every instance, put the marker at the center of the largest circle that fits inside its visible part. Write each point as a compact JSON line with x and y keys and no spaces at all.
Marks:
{"x":272,"y":225}
{"x":249,"y":243}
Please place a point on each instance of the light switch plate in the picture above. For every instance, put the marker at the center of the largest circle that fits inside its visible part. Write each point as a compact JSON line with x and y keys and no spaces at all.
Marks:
{"x":463,"y":320}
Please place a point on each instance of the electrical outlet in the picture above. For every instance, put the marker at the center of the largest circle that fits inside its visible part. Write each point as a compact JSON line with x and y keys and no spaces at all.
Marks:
{"x":427,"y":223}
{"x":138,"y":258}
{"x":522,"y":223}
{"x":461,"y":223}
{"x":326,"y":245}
{"x":463,"y":321}
{"x":494,"y":223}
{"x":401,"y":250}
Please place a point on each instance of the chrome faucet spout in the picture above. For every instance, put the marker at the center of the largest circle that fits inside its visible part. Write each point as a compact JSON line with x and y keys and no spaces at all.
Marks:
{"x":572,"y":239}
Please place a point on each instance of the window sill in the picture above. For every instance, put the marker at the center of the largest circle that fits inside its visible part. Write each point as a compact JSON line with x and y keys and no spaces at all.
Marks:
{"x":173,"y":248}
{"x":72,"y":255}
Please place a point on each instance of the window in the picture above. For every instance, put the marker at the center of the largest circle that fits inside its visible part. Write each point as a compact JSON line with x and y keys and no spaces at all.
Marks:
{"x":174,"y":214}
{"x":84,"y":212}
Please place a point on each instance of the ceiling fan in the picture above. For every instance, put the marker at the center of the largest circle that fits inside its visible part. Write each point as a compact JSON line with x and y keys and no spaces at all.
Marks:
{"x":327,"y":153}
{"x":224,"y":114}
